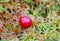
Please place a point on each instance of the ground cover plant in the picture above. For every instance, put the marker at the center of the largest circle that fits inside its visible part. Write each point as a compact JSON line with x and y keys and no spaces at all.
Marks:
{"x":29,"y":20}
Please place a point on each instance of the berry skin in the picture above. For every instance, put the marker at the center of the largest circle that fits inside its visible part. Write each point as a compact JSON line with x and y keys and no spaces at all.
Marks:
{"x":25,"y":22}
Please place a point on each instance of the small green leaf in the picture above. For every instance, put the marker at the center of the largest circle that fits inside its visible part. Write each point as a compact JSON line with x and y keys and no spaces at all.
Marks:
{"x":56,"y":36}
{"x":41,"y":6}
{"x":28,"y":1}
{"x":1,"y":8}
{"x":50,"y":11}
{"x":58,"y":0}
{"x":5,"y":1}
{"x":32,"y":39}
{"x":35,"y":13}
{"x":54,"y":39}
{"x":6,"y":11}
{"x":9,"y":27}
{"x":56,"y":8}
{"x":24,"y":39}
{"x":47,"y":39}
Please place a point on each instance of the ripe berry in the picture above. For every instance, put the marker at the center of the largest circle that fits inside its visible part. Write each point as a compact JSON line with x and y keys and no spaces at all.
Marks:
{"x":25,"y":22}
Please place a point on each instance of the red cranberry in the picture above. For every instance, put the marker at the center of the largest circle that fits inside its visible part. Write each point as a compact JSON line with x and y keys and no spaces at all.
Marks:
{"x":25,"y":22}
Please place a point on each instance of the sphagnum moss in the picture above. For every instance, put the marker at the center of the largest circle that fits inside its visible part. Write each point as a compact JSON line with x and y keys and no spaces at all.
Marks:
{"x":45,"y":15}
